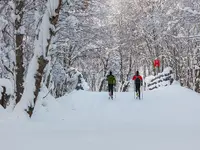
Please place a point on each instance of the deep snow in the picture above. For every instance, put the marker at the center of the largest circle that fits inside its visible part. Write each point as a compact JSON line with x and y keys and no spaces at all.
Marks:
{"x":166,"y":119}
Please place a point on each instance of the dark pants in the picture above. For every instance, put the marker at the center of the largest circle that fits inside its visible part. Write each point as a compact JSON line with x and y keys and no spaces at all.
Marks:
{"x":137,"y":89}
{"x":110,"y":89}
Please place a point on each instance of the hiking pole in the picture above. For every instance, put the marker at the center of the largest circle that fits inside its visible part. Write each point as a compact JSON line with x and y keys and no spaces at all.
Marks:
{"x":115,"y":92}
{"x":142,"y":92}
{"x":134,"y":91}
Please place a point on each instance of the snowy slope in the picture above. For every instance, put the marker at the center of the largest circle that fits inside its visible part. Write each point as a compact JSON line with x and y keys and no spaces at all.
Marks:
{"x":166,"y":119}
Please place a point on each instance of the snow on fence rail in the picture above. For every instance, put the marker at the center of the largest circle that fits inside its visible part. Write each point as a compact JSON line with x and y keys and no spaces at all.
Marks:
{"x":162,"y":79}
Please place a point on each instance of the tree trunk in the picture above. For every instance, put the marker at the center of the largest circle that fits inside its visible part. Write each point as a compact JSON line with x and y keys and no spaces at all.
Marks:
{"x":19,"y":50}
{"x":3,"y":100}
{"x":125,"y":87}
{"x":197,"y":84}
{"x":48,"y":80}
{"x":101,"y":85}
{"x":162,"y":63}
{"x":42,"y":62}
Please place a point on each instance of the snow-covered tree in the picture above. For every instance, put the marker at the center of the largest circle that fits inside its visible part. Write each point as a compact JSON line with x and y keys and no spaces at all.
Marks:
{"x":40,"y":58}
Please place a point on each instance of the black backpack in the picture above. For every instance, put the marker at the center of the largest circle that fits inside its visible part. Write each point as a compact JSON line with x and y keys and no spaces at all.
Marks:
{"x":137,"y":81}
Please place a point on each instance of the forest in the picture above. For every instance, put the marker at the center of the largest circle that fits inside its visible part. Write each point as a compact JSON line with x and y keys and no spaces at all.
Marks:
{"x":63,"y":45}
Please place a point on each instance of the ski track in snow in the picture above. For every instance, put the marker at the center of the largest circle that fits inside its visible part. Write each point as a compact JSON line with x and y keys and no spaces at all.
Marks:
{"x":166,"y":119}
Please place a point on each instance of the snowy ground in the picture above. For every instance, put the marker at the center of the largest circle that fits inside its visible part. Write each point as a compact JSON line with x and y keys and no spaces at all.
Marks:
{"x":166,"y":119}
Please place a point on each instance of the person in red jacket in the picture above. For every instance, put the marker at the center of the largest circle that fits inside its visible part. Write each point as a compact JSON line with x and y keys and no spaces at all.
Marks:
{"x":138,"y":83}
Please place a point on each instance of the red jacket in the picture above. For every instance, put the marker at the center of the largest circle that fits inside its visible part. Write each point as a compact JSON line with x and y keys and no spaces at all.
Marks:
{"x":134,"y":77}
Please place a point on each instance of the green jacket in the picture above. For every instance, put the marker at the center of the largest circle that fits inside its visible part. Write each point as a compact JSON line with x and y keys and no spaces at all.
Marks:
{"x":111,"y":79}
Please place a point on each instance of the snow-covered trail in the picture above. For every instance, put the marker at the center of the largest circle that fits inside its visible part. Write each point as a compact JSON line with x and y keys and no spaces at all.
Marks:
{"x":166,"y":119}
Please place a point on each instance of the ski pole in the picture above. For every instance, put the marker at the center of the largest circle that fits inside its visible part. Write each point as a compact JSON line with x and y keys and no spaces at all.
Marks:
{"x":134,"y":91}
{"x":115,"y":92}
{"x":142,"y":92}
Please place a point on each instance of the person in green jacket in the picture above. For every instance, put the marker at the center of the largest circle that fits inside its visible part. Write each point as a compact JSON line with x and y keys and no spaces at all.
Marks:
{"x":111,"y":83}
